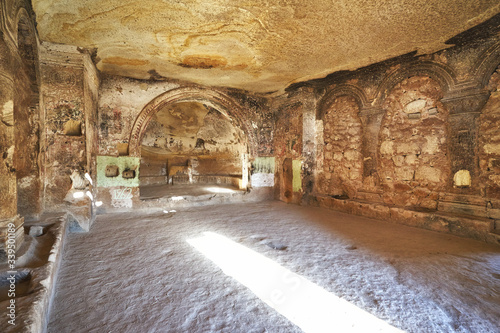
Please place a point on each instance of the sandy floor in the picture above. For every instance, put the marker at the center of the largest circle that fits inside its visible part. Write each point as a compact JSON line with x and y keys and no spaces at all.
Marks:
{"x":138,"y":273}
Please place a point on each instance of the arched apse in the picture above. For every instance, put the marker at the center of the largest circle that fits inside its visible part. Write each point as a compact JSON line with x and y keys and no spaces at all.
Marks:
{"x":413,"y":161}
{"x":198,"y":134}
{"x":211,"y":98}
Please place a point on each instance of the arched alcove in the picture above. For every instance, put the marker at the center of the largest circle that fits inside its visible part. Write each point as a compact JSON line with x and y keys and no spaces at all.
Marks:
{"x":413,"y":161}
{"x":340,"y":171}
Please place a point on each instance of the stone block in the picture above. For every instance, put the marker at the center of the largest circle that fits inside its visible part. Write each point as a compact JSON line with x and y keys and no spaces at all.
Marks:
{"x":462,"y":178}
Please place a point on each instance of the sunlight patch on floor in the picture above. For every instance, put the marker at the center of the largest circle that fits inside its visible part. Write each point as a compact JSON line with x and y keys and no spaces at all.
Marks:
{"x":304,"y":303}
{"x":219,"y":190}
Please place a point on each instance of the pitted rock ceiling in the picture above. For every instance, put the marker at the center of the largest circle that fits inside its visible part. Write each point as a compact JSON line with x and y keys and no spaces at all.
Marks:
{"x":256,"y":45}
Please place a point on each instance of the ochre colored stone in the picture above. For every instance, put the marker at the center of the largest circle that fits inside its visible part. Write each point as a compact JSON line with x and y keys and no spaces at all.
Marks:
{"x":462,"y":178}
{"x":254,"y":45}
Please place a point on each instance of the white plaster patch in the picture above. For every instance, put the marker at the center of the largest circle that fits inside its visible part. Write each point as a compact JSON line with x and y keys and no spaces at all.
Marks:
{"x":8,"y":113}
{"x":262,"y":180}
{"x":25,"y":182}
{"x":79,"y":182}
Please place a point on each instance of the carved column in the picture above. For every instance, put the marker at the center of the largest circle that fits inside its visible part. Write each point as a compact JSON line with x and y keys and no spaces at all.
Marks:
{"x":464,"y":108}
{"x":308,"y":139}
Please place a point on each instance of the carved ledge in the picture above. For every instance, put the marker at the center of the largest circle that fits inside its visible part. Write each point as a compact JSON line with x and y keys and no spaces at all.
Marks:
{"x":469,"y":100}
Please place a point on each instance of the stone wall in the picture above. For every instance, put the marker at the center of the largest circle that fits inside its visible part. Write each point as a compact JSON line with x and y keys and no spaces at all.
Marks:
{"x":413,"y":139}
{"x":340,"y":171}
{"x":413,"y":163}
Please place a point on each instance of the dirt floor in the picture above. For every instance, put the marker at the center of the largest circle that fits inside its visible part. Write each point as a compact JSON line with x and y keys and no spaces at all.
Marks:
{"x":143,"y":273}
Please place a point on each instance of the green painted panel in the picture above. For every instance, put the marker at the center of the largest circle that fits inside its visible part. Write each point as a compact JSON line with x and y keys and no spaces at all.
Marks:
{"x":297,"y":179}
{"x":123,"y":163}
{"x":263,"y":165}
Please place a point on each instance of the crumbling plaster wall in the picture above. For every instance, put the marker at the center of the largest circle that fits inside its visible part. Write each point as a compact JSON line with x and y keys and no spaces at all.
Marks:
{"x":63,"y":96}
{"x":120,"y":102}
{"x":412,"y":139}
{"x":69,"y":88}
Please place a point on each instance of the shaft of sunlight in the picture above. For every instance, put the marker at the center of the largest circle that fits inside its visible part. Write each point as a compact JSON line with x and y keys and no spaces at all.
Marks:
{"x":304,"y":303}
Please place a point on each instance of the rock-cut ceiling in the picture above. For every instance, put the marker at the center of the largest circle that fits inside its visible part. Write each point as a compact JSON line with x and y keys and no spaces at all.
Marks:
{"x":256,"y":45}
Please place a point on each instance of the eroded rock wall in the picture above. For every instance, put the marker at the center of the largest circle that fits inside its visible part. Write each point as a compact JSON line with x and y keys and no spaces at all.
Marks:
{"x":65,"y":126}
{"x":234,"y":129}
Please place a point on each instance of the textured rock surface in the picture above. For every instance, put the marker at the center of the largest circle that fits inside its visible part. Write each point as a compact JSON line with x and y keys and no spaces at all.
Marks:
{"x":258,"y":45}
{"x":342,"y":165}
{"x":413,"y":160}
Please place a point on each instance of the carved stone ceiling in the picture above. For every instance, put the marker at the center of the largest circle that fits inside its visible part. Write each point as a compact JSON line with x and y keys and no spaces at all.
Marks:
{"x":256,"y":45}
